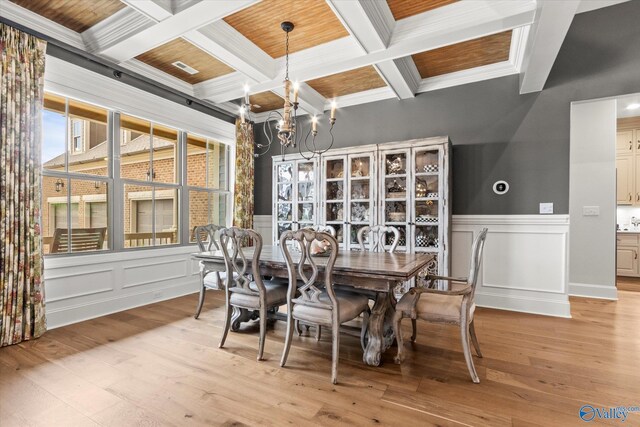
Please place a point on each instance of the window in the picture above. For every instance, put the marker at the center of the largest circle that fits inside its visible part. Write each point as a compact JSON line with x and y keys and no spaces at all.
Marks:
{"x":207,"y":178}
{"x":76,"y":136}
{"x":75,"y":176}
{"x":157,"y":202}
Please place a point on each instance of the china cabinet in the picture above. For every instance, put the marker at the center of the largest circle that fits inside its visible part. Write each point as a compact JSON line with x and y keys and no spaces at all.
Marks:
{"x":404,"y":184}
{"x":348,"y":194}
{"x":295,"y":190}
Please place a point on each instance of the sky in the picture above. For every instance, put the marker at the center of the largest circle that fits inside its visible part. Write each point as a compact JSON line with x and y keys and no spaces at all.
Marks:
{"x":53,"y":133}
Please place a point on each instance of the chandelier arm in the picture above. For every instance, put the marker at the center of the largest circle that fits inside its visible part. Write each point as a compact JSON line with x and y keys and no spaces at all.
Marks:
{"x":332,"y":141}
{"x":307,"y":146}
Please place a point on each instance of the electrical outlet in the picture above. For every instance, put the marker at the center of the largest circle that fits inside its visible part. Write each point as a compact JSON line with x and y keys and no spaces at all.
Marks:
{"x":590,"y":210}
{"x":546,"y":208}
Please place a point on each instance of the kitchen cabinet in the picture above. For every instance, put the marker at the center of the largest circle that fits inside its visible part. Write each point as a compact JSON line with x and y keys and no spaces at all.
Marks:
{"x":627,"y":254}
{"x":628,"y":167}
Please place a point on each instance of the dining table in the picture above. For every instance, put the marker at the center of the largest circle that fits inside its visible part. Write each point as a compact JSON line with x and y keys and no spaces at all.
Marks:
{"x":375,"y":273}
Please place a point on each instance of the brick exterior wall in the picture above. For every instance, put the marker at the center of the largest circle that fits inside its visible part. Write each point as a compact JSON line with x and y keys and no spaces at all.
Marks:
{"x":164,"y":169}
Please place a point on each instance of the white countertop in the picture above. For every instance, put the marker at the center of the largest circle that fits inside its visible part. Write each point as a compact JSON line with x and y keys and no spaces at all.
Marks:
{"x":630,"y":231}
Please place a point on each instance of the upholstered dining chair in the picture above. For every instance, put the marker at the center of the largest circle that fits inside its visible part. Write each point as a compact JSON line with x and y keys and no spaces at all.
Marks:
{"x":327,"y":229}
{"x":454,"y":306}
{"x":209,"y":279}
{"x":316,"y":301}
{"x":377,"y":238}
{"x":245,"y":288}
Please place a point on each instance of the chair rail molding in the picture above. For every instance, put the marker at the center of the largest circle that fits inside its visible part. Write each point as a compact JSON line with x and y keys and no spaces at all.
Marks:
{"x":525,"y":265}
{"x":84,"y":287}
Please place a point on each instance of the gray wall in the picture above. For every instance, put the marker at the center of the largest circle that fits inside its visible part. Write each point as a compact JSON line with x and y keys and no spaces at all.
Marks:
{"x":497,"y":133}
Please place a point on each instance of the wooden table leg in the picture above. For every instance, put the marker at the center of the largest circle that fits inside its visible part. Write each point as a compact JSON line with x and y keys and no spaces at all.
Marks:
{"x":380,"y":330}
{"x":241,"y":315}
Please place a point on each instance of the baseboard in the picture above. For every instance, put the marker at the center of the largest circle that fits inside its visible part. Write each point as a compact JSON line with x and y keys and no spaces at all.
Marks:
{"x":57,"y":318}
{"x":544,"y":307}
{"x":593,"y":291}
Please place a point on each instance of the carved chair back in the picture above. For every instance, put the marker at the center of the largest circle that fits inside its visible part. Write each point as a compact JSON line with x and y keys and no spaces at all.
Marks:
{"x":239,"y":276}
{"x":325,"y":228}
{"x":305,"y":269}
{"x":206,"y":237}
{"x":476,"y":259}
{"x":377,"y":238}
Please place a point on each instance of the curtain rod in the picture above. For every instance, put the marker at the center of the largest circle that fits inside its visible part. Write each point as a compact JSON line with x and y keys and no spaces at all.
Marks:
{"x":99,"y":65}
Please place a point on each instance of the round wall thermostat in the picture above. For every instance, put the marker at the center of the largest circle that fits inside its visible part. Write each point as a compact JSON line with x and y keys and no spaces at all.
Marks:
{"x":500,"y":187}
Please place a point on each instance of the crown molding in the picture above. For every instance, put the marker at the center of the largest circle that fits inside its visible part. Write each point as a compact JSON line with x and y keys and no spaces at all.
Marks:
{"x":29,"y":19}
{"x":114,"y":28}
{"x":486,"y":72}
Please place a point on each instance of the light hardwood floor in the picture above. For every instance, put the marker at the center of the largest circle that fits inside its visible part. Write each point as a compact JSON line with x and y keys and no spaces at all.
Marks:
{"x":156,"y":365}
{"x":628,"y":283}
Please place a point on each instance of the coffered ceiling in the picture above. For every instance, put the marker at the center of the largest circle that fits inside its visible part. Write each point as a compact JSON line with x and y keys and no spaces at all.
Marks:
{"x":350,"y":51}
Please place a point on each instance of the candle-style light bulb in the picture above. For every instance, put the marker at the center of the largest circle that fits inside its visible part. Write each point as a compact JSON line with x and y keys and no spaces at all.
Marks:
{"x":333,"y":110}
{"x":314,"y":124}
{"x":246,"y":94}
{"x":296,"y":88}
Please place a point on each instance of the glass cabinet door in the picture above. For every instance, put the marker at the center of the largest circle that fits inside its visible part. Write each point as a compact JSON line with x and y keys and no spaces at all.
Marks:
{"x":360,"y":195}
{"x":335,"y":169}
{"x":284,"y":201}
{"x":426,"y":196}
{"x":305,"y":194}
{"x":394,"y":193}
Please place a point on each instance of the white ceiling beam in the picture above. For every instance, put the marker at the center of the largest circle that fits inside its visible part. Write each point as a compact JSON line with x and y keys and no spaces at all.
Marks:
{"x":115,"y":28}
{"x":455,"y":23}
{"x":228,"y":45}
{"x":309,"y":99}
{"x":547,"y":33}
{"x":371,"y":24}
{"x":198,"y":15}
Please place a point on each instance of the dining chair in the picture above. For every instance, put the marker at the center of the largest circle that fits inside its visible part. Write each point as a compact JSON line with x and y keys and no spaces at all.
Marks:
{"x":209,"y":279}
{"x":453,"y":306}
{"x":244,"y":288}
{"x":377,"y":238}
{"x":327,"y":229}
{"x":316,"y":301}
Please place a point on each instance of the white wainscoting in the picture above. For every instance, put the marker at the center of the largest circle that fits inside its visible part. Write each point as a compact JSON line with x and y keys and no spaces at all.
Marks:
{"x":525,"y":260}
{"x":525,"y":264}
{"x":87,"y":286}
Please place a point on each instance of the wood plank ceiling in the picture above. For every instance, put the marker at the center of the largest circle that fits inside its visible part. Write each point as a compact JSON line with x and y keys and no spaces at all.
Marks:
{"x":349,"y":82}
{"x":163,"y":57}
{"x":462,"y":56}
{"x":405,"y":8}
{"x":315,"y":24}
{"x":74,"y":14}
{"x":265,"y":101}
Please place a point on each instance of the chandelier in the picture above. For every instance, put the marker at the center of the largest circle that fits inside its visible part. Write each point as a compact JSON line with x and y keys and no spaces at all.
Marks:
{"x":288,"y":127}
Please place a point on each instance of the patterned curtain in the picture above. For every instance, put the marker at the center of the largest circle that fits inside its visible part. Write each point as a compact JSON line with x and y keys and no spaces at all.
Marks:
{"x":243,"y":203}
{"x":21,"y":98}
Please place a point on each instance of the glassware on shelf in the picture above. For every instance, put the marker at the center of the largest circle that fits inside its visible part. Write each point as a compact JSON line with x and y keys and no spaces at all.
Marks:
{"x":335,"y":190}
{"x":335,"y":169}
{"x":360,"y":167}
{"x":284,"y":192}
{"x":396,"y":164}
{"x":360,"y":190}
{"x":360,"y":212}
{"x":305,"y":172}
{"x":284,"y":212}
{"x":397,"y":190}
{"x":285,"y":173}
{"x":305,"y":191}
{"x":335,"y":212}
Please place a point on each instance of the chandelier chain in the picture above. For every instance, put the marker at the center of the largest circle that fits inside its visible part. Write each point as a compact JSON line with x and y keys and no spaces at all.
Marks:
{"x":286,"y":74}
